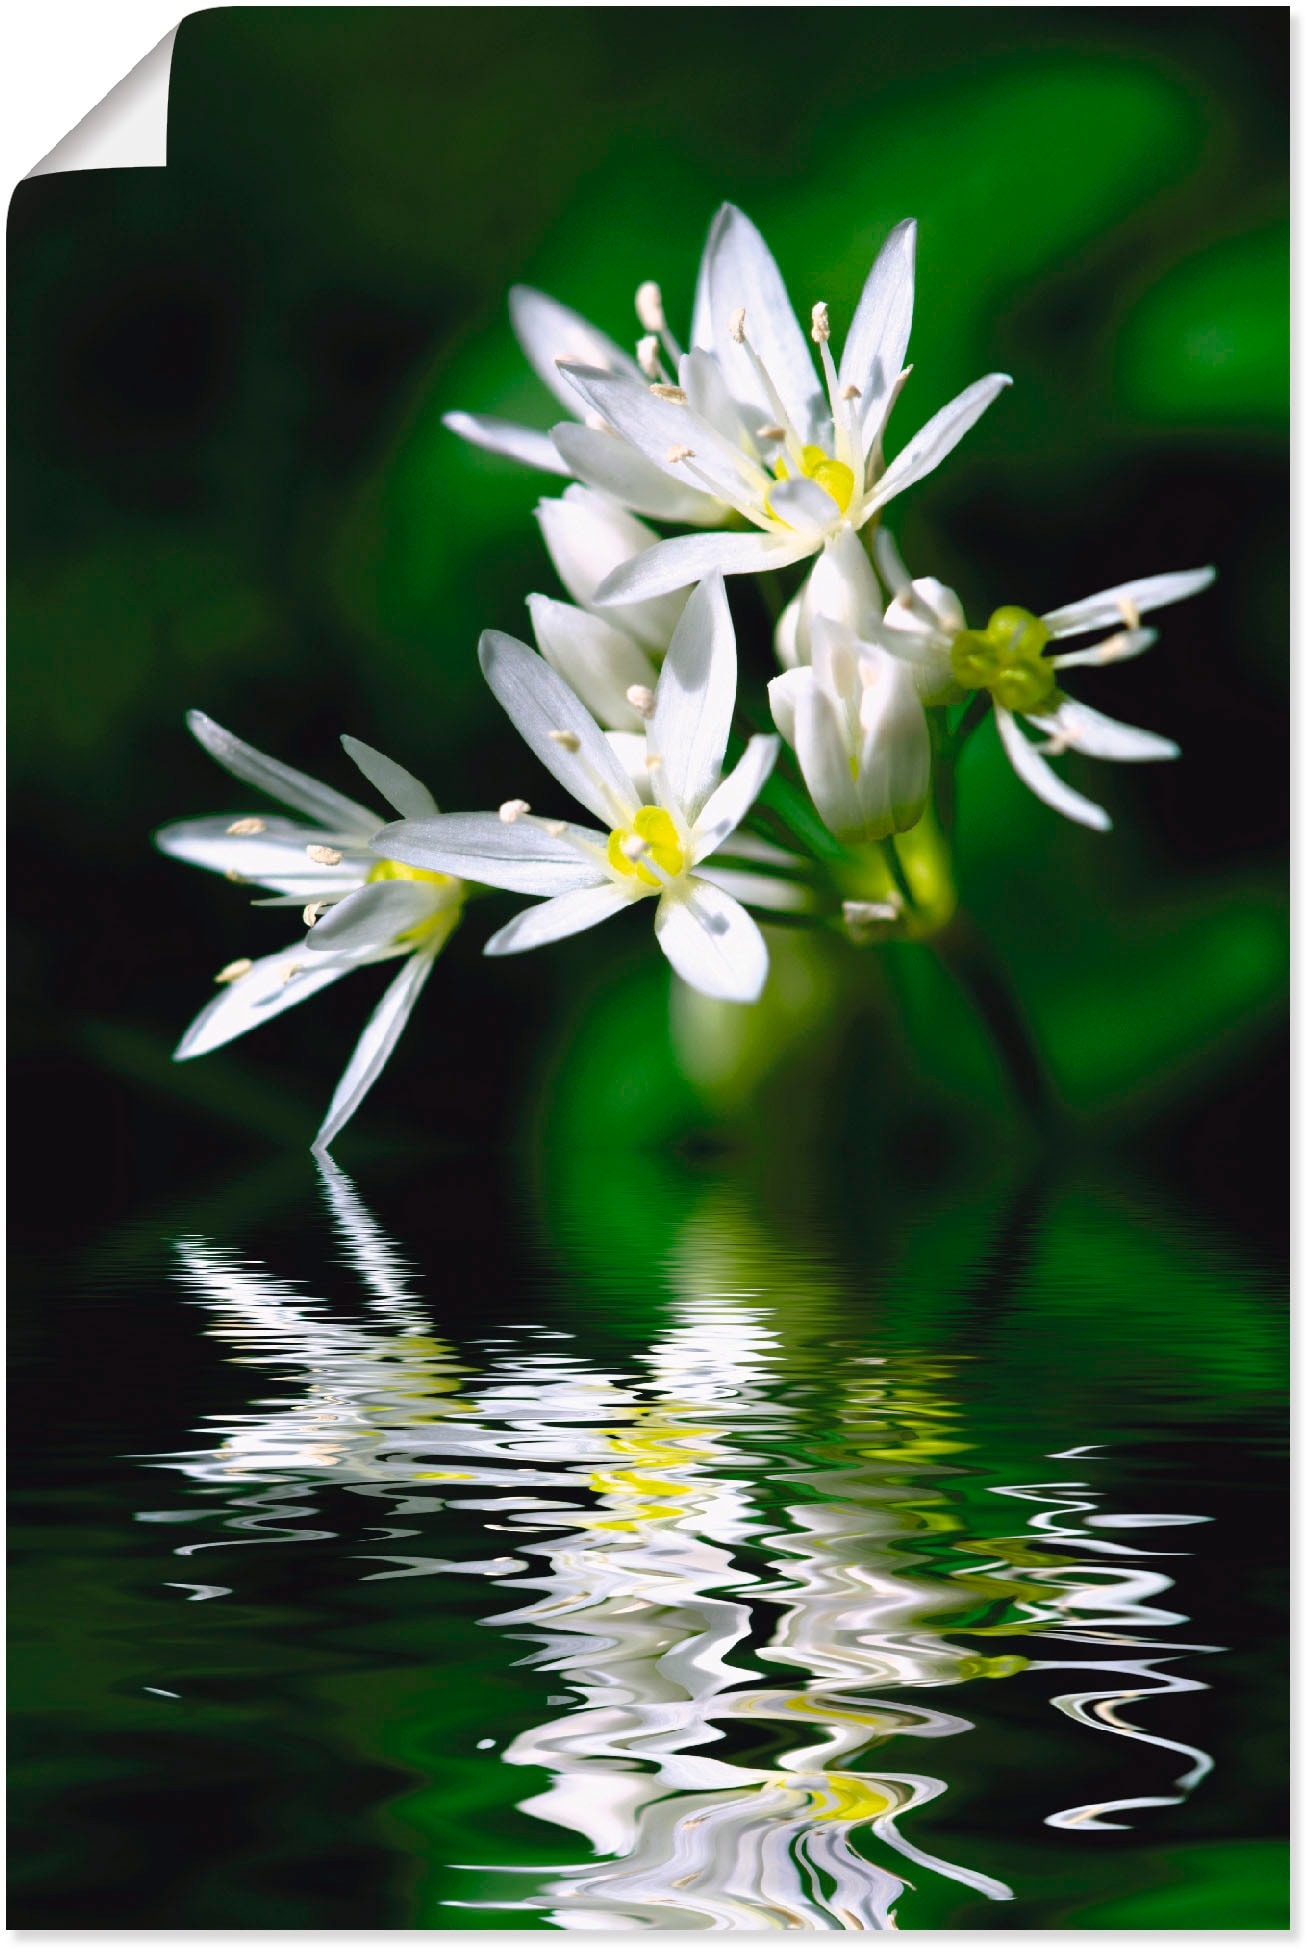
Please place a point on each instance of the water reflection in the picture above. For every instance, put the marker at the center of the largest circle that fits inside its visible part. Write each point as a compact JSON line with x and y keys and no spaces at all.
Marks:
{"x":752,"y":1555}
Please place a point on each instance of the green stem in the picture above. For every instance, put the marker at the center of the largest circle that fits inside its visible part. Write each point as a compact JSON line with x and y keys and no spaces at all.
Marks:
{"x":971,"y":960}
{"x":974,"y":714}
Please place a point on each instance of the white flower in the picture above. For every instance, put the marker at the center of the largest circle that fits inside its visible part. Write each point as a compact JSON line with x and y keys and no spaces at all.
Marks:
{"x":925,"y":625}
{"x":655,"y":850}
{"x":550,"y":332}
{"x":749,"y":422}
{"x":361,"y":906}
{"x":851,"y":711}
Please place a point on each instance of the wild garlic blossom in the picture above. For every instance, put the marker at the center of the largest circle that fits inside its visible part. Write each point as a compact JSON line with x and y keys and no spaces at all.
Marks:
{"x":656,"y":849}
{"x":1008,"y":662}
{"x":359,"y":906}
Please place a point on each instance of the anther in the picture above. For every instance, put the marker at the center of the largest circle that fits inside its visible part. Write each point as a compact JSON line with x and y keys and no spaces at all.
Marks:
{"x":312,"y":911}
{"x":512,"y":810}
{"x":675,"y":393}
{"x":653,"y":762}
{"x":738,"y":325}
{"x":649,"y":356}
{"x":677,"y":454}
{"x":860,"y":914}
{"x":233,"y":972}
{"x":650,"y":310}
{"x":1127,"y":606}
{"x":288,"y":970}
{"x":850,"y":392}
{"x":235,"y":874}
{"x":252,"y":826}
{"x":554,"y":827}
{"x":643,"y":700}
{"x":771,"y":433}
{"x":820,"y":322}
{"x":569,"y":740}
{"x":325,"y":857}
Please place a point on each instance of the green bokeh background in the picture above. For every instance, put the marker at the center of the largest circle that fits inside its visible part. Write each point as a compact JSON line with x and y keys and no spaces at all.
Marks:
{"x":231,"y":489}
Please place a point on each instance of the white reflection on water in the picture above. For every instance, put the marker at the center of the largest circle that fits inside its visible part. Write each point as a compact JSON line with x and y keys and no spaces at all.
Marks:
{"x":720,"y":1550}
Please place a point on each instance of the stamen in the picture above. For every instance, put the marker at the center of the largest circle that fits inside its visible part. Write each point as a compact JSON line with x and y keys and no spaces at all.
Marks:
{"x":312,"y":911}
{"x":861,"y":913}
{"x":738,"y":325}
{"x":650,"y":310}
{"x":643,"y":700}
{"x":569,"y":740}
{"x":512,"y":810}
{"x":1056,"y":743}
{"x":252,"y":826}
{"x":649,"y":356}
{"x":554,"y":827}
{"x":675,"y":393}
{"x":738,"y":333}
{"x":235,"y":874}
{"x":677,"y":454}
{"x":820,"y":323}
{"x":233,"y":972}
{"x":288,"y":970}
{"x":771,"y":433}
{"x":1127,"y":606}
{"x":634,"y":847}
{"x":850,"y":392}
{"x":325,"y":857}
{"x":653,"y":762}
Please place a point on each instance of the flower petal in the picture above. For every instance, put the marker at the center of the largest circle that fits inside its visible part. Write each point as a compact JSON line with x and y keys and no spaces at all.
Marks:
{"x":275,"y":858}
{"x":658,"y":428}
{"x":805,"y":507}
{"x":256,"y":997}
{"x":689,"y":729}
{"x":549,"y":332}
{"x":892,"y":781}
{"x":1104,"y":611}
{"x":938,"y":437}
{"x":825,"y":757}
{"x":540,"y":703}
{"x":527,"y":444}
{"x":762,"y":890}
{"x":742,"y":274}
{"x":711,"y":940}
{"x":373,"y":917}
{"x":687,"y":559}
{"x":844,"y":585}
{"x":377,"y":1042}
{"x":1100,"y":737}
{"x":733,"y":798}
{"x":596,"y":661}
{"x":874,"y":351}
{"x":1038,"y":775}
{"x":523,"y":856}
{"x":551,"y":921}
{"x":630,"y":748}
{"x":606,"y":461}
{"x":784,"y":693}
{"x":1111,"y":650}
{"x":587,"y":537}
{"x":283,"y":783}
{"x":400,"y":789}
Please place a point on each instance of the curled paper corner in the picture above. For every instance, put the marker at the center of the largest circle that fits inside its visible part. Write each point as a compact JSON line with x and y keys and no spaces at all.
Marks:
{"x":128,"y":128}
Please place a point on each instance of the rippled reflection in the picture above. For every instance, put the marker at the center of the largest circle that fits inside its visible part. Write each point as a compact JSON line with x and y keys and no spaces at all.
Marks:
{"x":750,"y":1558}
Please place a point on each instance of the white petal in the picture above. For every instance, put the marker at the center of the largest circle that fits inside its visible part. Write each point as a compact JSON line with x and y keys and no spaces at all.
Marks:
{"x":587,"y":536}
{"x":893,"y":772}
{"x":742,"y":274}
{"x":687,"y":559}
{"x":689,"y":729}
{"x":549,"y":331}
{"x":824,"y":754}
{"x":551,"y":921}
{"x":938,"y":437}
{"x":283,"y":783}
{"x":1103,"y":611}
{"x":659,"y":427}
{"x":377,"y":1042}
{"x":255,"y":998}
{"x":1101,"y":737}
{"x":733,"y":799}
{"x":1038,"y":775}
{"x":762,"y":890}
{"x":527,"y":444}
{"x":538,"y":703}
{"x":844,"y":585}
{"x":792,"y":633}
{"x":595,"y":660}
{"x":481,"y":847}
{"x":275,"y":858}
{"x":630,"y":748}
{"x":702,"y":379}
{"x":1111,"y":650}
{"x":804,"y":506}
{"x":784,"y":693}
{"x":373,"y":917}
{"x":400,"y":789}
{"x":711,"y":940}
{"x":874,"y":352}
{"x":605,"y":460}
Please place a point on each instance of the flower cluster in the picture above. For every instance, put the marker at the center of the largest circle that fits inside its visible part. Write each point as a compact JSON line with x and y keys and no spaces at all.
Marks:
{"x":765,"y":451}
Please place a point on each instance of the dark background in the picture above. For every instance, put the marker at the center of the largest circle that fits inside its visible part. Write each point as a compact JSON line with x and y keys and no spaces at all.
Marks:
{"x":230,"y":489}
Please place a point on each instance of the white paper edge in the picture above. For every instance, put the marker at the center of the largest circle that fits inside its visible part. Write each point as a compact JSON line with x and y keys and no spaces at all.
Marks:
{"x":129,"y":128}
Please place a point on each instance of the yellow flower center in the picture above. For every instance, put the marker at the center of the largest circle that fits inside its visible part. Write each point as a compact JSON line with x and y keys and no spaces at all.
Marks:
{"x":445,"y":914}
{"x":653,"y":838}
{"x":835,"y":477}
{"x":1007,"y":659}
